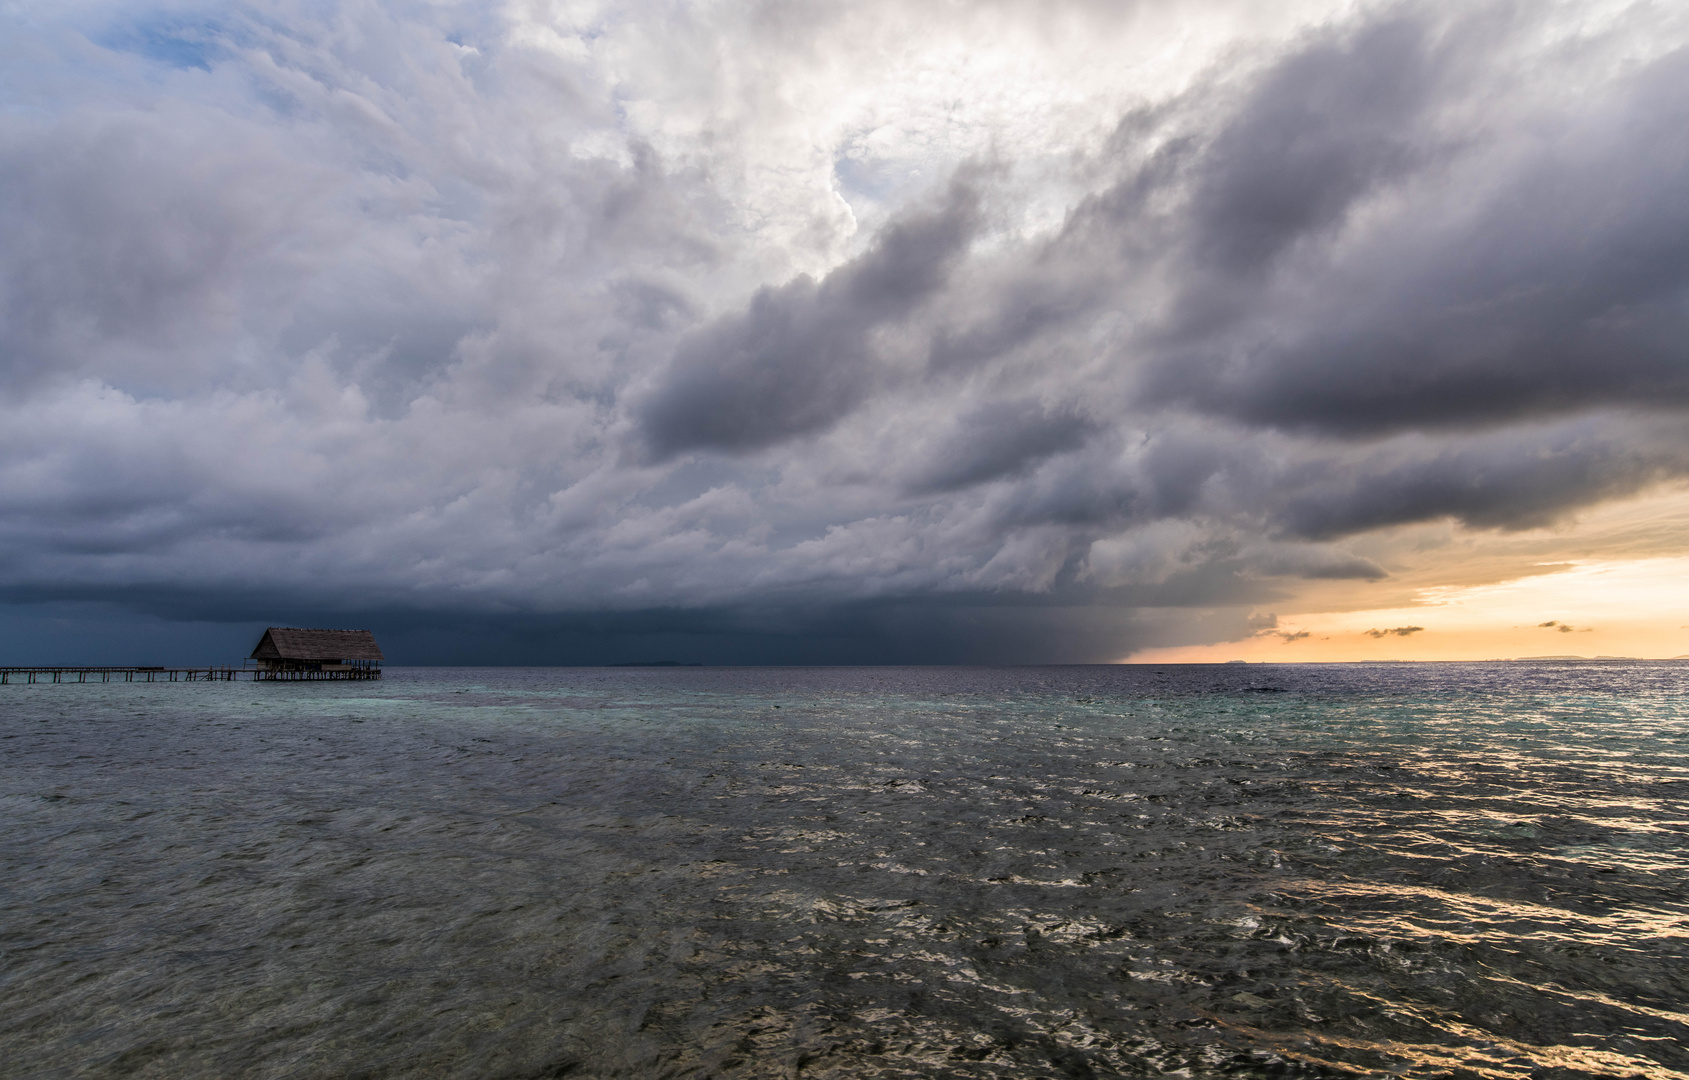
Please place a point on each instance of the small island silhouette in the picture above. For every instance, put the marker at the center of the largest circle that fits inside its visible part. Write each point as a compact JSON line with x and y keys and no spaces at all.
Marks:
{"x":654,"y":663}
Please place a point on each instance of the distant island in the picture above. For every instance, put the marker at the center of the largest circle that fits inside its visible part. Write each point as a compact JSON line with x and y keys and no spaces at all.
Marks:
{"x":654,"y":663}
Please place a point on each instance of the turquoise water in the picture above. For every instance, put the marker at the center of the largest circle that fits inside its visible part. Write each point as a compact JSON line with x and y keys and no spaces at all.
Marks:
{"x":1313,"y":871}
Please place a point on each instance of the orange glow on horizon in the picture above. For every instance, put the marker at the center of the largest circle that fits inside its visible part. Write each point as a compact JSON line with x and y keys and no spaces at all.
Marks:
{"x":1635,"y":608}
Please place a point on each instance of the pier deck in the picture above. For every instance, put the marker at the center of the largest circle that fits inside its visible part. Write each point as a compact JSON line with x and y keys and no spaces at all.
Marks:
{"x":81,"y":674}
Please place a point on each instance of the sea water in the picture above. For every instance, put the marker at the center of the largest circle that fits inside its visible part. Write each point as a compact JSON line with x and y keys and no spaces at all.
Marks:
{"x":1429,"y":870}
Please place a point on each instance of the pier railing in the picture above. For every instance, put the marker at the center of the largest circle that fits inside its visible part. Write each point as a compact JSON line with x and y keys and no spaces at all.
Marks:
{"x":83,"y":674}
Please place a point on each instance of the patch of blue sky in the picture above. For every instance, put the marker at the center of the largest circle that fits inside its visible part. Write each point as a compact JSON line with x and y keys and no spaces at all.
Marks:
{"x":872,"y":180}
{"x":870,"y":184}
{"x":174,"y":40}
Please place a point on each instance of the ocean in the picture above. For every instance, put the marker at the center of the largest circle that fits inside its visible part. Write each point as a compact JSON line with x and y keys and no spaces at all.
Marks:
{"x":1371,"y":870}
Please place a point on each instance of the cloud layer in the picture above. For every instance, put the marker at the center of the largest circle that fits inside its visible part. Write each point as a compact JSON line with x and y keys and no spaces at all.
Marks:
{"x":983,"y":330}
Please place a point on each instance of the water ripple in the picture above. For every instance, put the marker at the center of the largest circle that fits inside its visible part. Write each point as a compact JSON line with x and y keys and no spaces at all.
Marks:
{"x":1407,"y":870}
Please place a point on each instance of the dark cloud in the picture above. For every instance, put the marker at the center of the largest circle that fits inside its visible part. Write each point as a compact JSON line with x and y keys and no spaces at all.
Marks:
{"x":1511,"y":479}
{"x":1397,"y":631}
{"x":977,"y":628}
{"x":1507,"y":274}
{"x":1313,"y":563}
{"x":1000,"y":439}
{"x":1324,"y":128}
{"x":802,"y":355}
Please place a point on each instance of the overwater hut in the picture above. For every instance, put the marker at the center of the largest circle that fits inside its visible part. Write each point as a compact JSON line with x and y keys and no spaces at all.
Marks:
{"x":295,"y":652}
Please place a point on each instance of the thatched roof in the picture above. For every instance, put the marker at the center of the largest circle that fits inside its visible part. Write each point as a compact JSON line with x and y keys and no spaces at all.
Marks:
{"x":294,"y":643}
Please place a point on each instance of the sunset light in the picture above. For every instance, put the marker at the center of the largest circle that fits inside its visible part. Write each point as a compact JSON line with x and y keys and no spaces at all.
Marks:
{"x":1637,"y":609}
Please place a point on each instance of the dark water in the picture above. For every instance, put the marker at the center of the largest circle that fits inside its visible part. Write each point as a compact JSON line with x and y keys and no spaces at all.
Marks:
{"x":1322,"y":871}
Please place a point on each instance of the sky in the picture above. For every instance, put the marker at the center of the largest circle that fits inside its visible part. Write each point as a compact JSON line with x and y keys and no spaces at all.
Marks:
{"x":959,"y":332}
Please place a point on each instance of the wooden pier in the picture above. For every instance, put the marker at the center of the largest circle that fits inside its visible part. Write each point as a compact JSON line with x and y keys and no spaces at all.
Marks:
{"x":284,"y":654}
{"x":79,"y":674}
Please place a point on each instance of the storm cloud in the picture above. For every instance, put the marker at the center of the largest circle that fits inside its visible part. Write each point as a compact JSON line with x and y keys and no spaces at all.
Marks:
{"x":802,"y":355}
{"x":790,"y":332}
